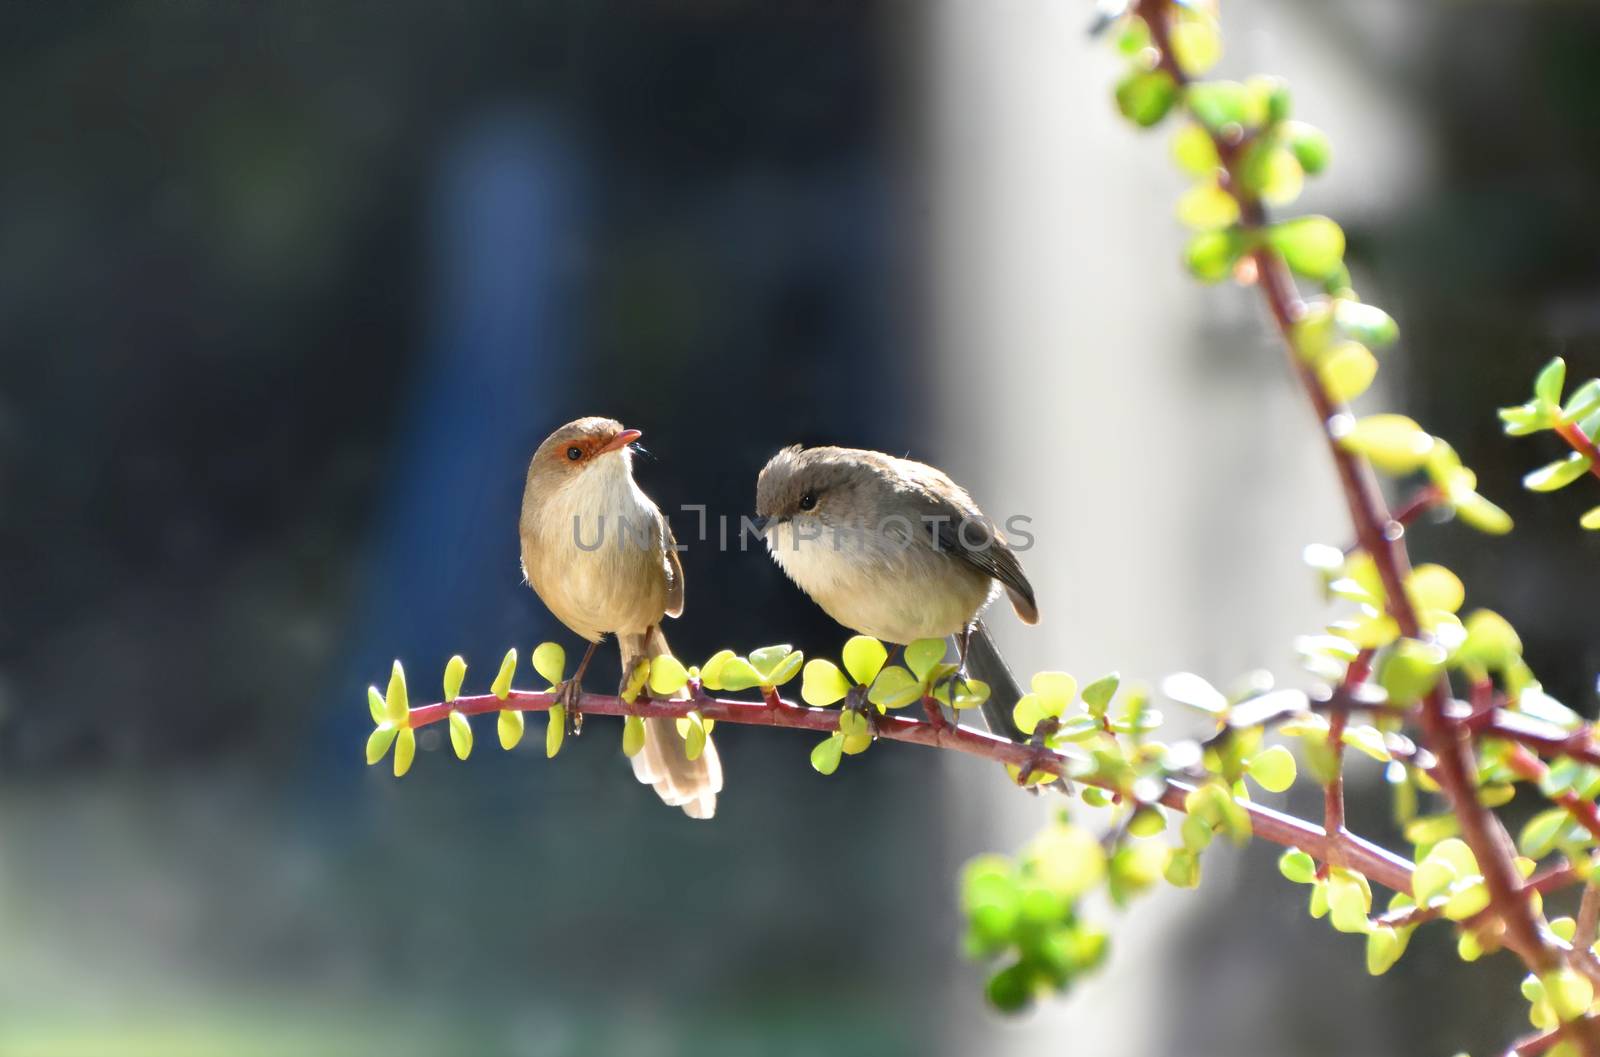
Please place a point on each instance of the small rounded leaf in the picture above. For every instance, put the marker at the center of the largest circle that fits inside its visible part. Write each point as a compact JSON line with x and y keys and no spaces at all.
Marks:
{"x":397,"y":707}
{"x":510,"y":727}
{"x":405,"y":750}
{"x":863,"y":658}
{"x":895,"y":688}
{"x":379,"y":740}
{"x":667,"y":675}
{"x":1274,"y":769}
{"x":1297,"y":866}
{"x":1383,"y":949}
{"x":555,"y":732}
{"x":460,"y":735}
{"x":550,"y":661}
{"x":1309,"y":144}
{"x":1365,"y":323}
{"x":502,"y":681}
{"x":1146,"y":96}
{"x":1393,"y":443}
{"x":1346,"y":371}
{"x":1312,"y":246}
{"x":922,"y":655}
{"x":1194,"y":151}
{"x":822,"y":684}
{"x":738,"y":674}
{"x":1558,"y":474}
{"x":454,"y":672}
{"x":825,"y":756}
{"x":632,"y":735}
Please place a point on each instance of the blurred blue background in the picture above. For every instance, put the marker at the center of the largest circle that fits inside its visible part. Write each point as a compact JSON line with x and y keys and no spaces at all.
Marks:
{"x":290,"y":292}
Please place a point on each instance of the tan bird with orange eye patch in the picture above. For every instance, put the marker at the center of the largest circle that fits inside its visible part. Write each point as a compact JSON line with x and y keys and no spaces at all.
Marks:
{"x":601,"y":556}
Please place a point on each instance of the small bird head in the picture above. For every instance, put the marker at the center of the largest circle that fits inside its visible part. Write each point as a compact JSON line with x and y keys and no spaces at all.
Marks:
{"x":810,"y":483}
{"x":582,"y":446}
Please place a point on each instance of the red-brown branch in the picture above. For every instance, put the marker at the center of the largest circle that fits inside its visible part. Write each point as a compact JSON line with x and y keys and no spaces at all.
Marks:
{"x":1378,"y":864}
{"x":1382,"y":537}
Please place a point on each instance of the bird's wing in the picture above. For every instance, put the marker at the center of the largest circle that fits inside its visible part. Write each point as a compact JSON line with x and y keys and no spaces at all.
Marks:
{"x":674,"y":571}
{"x":965,"y":533}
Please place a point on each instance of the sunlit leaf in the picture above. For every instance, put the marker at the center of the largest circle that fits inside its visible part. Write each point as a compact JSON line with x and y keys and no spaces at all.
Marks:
{"x":1206,"y":207}
{"x":454,"y":672}
{"x":1274,"y":769}
{"x":550,"y":661}
{"x":375,"y":705}
{"x":1346,"y":371}
{"x":1194,"y":151}
{"x":1551,"y":381}
{"x":922,"y":655}
{"x":555,"y":731}
{"x":502,"y":681}
{"x":823,"y":684}
{"x":1189,"y":689}
{"x":667,"y":675}
{"x":1309,"y":144}
{"x":510,"y":727}
{"x":1558,"y":474}
{"x":1297,"y":866}
{"x":1393,"y":443}
{"x":1146,"y":96}
{"x":863,"y":657}
{"x":405,"y":750}
{"x":379,"y":740}
{"x":895,"y":688}
{"x":1312,"y":246}
{"x":397,"y":706}
{"x":825,"y":756}
{"x":460,"y":735}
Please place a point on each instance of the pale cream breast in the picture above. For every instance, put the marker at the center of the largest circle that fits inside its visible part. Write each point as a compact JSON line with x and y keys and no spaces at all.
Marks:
{"x":876,"y":586}
{"x":593,"y":550}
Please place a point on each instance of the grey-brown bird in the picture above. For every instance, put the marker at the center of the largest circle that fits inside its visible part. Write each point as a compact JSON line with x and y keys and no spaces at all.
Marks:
{"x":895,"y":549}
{"x":601,"y":556}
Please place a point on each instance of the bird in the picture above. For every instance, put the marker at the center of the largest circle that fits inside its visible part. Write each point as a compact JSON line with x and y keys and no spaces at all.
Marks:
{"x":893,"y":548}
{"x":601,"y":556}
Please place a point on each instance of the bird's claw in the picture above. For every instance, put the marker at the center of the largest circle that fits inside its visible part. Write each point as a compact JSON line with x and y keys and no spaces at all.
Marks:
{"x":568,"y":695}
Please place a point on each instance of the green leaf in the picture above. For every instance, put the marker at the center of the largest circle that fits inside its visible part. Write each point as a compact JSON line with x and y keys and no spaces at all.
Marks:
{"x":711,"y":671}
{"x":1568,"y":991}
{"x":1098,"y":694}
{"x":454,"y":672}
{"x":1147,"y":822}
{"x":895,"y":688}
{"x":922,"y":655}
{"x":1551,"y":381}
{"x":1591,"y":520}
{"x":555,"y":731}
{"x":783,"y":669}
{"x":692,"y":729}
{"x":1027,"y":713}
{"x":1273,"y":769}
{"x":1349,"y":899}
{"x":1183,"y":869}
{"x":375,"y":706}
{"x":1297,"y":866}
{"x":379,"y":740}
{"x":1146,"y":96}
{"x":502,"y":681}
{"x":632,"y":735}
{"x":1541,"y":832}
{"x":1481,"y":514}
{"x":1206,"y":207}
{"x":736,"y":674}
{"x":825,"y":756}
{"x":1367,"y":739}
{"x":510,"y":727}
{"x":396,"y":705}
{"x":1309,"y":144}
{"x":550,"y":661}
{"x":1196,"y":41}
{"x":1383,"y":950}
{"x":1272,"y":173}
{"x":766,"y":657}
{"x":1392,"y":443}
{"x":1524,"y":419}
{"x":1346,"y":371}
{"x":1210,"y":255}
{"x":962,"y":694}
{"x":460,"y":735}
{"x":1432,"y":878}
{"x":822,"y":684}
{"x":1195,"y":832}
{"x":1217,"y":104}
{"x":1410,"y":670}
{"x":667,"y":675}
{"x":1584,"y":401}
{"x":405,"y":750}
{"x":1194,"y":151}
{"x":1312,"y":246}
{"x":863,"y":658}
{"x":637,"y":678}
{"x":1558,"y":474}
{"x":1366,"y":323}
{"x":1467,"y":899}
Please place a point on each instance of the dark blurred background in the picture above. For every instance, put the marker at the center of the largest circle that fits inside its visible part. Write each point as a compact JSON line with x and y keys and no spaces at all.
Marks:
{"x":289,"y":292}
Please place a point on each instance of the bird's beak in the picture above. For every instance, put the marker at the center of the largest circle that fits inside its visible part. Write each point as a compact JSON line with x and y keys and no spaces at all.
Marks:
{"x":621,"y":440}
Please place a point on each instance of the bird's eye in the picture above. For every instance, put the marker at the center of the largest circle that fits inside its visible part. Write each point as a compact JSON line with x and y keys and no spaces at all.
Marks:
{"x":574,"y":453}
{"x":808,"y":501}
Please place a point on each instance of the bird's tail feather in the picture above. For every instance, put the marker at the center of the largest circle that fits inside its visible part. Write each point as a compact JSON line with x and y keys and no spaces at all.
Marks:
{"x":664,"y":762}
{"x":984,"y":662}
